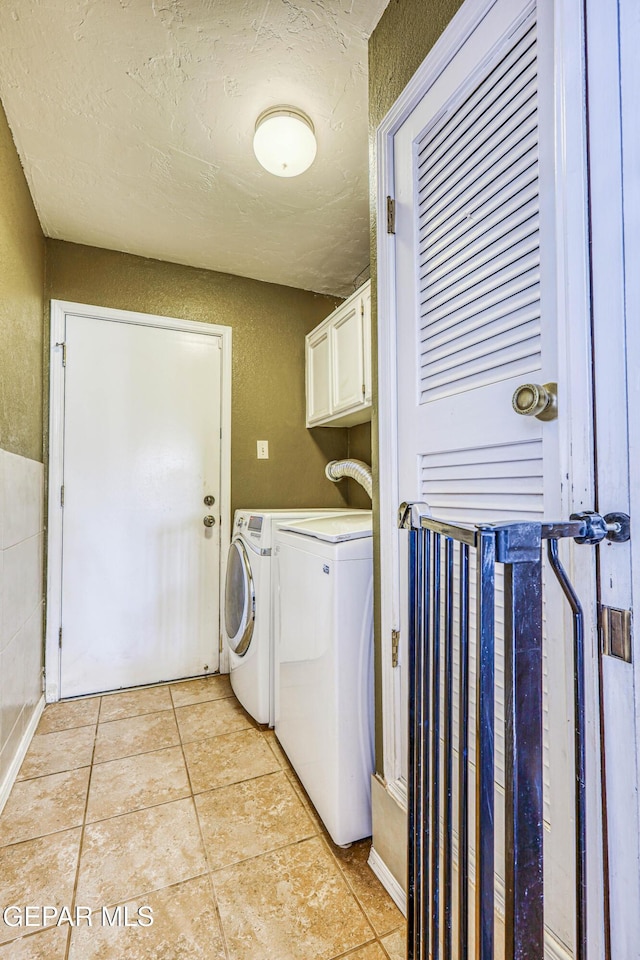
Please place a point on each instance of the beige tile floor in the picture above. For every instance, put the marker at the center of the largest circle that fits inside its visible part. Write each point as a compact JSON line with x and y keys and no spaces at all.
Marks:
{"x":172,"y":798}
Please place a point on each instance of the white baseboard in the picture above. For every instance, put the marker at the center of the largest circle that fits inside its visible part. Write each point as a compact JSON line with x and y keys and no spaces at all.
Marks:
{"x":388,"y":881}
{"x":11,"y":774}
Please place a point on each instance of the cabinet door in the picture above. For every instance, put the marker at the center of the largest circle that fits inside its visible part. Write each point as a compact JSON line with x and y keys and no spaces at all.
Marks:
{"x":366,"y":339}
{"x":347,"y":346}
{"x":318,"y":376}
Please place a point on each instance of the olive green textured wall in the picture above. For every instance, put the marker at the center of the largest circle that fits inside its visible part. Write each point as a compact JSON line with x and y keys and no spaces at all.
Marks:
{"x":402,"y":39}
{"x":268,"y":397}
{"x":21,"y":304}
{"x":359,"y":449}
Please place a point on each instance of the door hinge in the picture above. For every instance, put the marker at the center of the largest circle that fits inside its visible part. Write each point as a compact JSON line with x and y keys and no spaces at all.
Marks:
{"x":362,"y":308}
{"x":60,"y":637}
{"x":63,"y":344}
{"x":391,"y":215}
{"x":62,"y":495}
{"x":395,"y":646}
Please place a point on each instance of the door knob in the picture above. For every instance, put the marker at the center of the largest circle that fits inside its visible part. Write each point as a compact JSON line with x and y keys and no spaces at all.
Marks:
{"x":209,"y":500}
{"x":209,"y":521}
{"x":536,"y":400}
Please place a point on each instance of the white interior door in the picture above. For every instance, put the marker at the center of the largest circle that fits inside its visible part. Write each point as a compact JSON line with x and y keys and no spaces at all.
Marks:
{"x":140,"y":570}
{"x":476,"y":313}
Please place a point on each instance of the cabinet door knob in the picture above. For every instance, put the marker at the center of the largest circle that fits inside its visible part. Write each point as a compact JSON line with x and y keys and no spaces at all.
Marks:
{"x":209,"y":521}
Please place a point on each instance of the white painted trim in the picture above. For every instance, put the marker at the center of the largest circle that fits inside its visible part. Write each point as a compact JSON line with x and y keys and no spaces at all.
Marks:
{"x":575,"y":369}
{"x":14,"y":767}
{"x":443,"y":51}
{"x":399,"y":791}
{"x":60,"y":310}
{"x":613,"y":33}
{"x":388,"y":881}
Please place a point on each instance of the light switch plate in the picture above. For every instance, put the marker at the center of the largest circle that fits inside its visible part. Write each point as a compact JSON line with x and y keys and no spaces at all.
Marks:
{"x":263,"y":449}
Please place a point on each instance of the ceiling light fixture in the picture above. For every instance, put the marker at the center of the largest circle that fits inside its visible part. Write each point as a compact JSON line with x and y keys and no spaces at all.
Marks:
{"x":284,"y":141}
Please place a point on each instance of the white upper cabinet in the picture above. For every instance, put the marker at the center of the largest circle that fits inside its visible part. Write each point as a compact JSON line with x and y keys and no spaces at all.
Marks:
{"x":338,"y":364}
{"x":318,"y":375}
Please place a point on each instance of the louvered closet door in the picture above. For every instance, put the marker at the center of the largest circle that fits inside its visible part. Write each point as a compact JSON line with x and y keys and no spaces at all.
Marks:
{"x":474,"y":269}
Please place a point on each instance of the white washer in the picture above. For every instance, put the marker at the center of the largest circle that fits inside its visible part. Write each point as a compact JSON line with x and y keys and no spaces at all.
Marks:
{"x":248,"y":609}
{"x":324,"y":650}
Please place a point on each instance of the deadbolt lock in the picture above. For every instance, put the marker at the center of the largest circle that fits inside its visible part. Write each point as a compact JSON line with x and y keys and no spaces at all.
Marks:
{"x":209,"y":521}
{"x":209,"y":500}
{"x":536,"y":400}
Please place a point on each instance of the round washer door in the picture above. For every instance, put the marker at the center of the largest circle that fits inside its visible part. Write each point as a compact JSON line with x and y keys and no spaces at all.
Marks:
{"x":239,"y":599}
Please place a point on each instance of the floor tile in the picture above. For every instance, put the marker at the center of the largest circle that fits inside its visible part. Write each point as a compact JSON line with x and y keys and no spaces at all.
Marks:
{"x":44,"y":805}
{"x":55,"y":752}
{"x":395,"y":944}
{"x":378,"y":905}
{"x":68,"y":714}
{"x":39,"y":872}
{"x":126,"y":856}
{"x":280,"y":755}
{"x":122,"y":786}
{"x":134,"y":703}
{"x":246,"y":819}
{"x":373,"y":951}
{"x":228,"y":759}
{"x":200,"y":690}
{"x":292,"y":904}
{"x":211,"y":719}
{"x":124,"y":738}
{"x":185,"y":927}
{"x":306,"y":802}
{"x":50,"y":944}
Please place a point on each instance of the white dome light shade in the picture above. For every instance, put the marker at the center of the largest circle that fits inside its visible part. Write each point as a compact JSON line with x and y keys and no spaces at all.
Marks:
{"x":284,"y":141}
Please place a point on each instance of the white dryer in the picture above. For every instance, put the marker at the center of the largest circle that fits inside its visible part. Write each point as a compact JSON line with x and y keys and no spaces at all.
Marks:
{"x":248,"y":609}
{"x":324,"y":673}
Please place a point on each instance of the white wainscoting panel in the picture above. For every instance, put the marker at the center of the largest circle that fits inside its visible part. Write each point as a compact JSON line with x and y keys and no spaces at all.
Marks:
{"x":21,"y":606}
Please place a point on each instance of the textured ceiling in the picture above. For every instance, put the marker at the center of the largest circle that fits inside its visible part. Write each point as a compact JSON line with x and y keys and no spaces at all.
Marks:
{"x":134,"y":122}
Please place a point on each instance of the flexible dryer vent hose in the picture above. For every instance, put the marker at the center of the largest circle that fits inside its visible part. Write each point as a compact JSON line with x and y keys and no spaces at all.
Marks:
{"x":354,"y":469}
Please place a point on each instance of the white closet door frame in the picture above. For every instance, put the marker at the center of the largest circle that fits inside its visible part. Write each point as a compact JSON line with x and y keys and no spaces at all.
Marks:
{"x":613,"y":34}
{"x":60,"y":310}
{"x":561,"y":32}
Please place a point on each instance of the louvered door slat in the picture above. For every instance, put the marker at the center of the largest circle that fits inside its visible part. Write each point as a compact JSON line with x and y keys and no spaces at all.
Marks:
{"x":456,"y":123}
{"x":479,"y":295}
{"x":479,"y":236}
{"x":510,"y":242}
{"x":505,"y":124}
{"x":440,"y":347}
{"x":480,"y":346}
{"x":489,"y":193}
{"x":477,"y":314}
{"x":513,"y":276}
{"x":497,"y":160}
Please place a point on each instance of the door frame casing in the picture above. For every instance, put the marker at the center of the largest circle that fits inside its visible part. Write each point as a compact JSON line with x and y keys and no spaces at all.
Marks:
{"x":574,"y":367}
{"x":613,"y":33}
{"x":60,"y":310}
